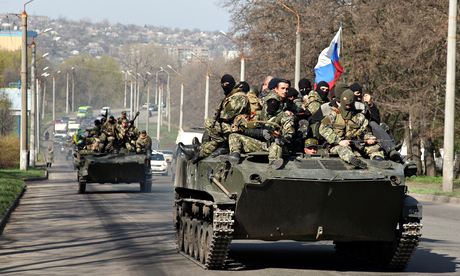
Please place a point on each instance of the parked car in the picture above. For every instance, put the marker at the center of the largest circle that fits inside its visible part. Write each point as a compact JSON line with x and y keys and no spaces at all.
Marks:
{"x":158,"y":163}
{"x":105,"y":110}
{"x":168,"y":155}
{"x":153,"y":107}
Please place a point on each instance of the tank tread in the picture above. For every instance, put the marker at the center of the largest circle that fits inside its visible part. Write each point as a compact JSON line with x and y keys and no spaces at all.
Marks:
{"x":221,"y":238}
{"x":406,"y":246}
{"x":213,"y":254}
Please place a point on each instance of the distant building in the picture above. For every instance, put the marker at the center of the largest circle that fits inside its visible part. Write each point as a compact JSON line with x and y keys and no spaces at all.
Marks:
{"x":12,"y":40}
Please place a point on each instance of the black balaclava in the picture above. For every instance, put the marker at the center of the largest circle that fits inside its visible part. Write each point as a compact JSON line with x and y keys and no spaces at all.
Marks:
{"x":347,"y":99}
{"x":321,"y":93}
{"x":273,"y":106}
{"x":292,"y":92}
{"x":304,"y":86}
{"x":356,"y":87}
{"x":97,"y":122}
{"x":227,"y":82}
{"x":244,"y":86}
{"x":112,"y":119}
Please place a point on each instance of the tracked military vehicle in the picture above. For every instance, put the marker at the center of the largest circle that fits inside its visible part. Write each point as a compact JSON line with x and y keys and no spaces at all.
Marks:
{"x":367,"y":213}
{"x":113,"y":168}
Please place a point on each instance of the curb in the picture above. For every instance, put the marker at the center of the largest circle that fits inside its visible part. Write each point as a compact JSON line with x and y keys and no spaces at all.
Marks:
{"x":11,"y":209}
{"x":437,"y":198}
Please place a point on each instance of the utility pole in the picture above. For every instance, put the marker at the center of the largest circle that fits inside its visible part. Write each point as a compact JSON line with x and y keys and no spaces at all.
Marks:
{"x":43,"y":99}
{"x":448,"y":162}
{"x":37,"y":117}
{"x":126,"y":89}
{"x":159,"y":117}
{"x":181,"y":108}
{"x":206,"y":97}
{"x":54,"y":99}
{"x":33,"y":110}
{"x":131,"y":99}
{"x":297,"y":43}
{"x":72,"y":108}
{"x":23,"y":137}
{"x":67,"y":94}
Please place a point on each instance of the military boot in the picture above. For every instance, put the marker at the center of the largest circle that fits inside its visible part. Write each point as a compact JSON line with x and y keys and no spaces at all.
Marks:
{"x":358,"y":163}
{"x":189,"y":152}
{"x":234,"y":158}
{"x":196,"y":142}
{"x":219,"y":151}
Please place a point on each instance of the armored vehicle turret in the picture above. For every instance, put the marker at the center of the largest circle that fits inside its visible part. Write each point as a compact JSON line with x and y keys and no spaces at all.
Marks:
{"x":365,"y":212}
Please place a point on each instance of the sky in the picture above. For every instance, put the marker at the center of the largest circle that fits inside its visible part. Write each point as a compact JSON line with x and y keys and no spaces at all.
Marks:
{"x":206,"y":15}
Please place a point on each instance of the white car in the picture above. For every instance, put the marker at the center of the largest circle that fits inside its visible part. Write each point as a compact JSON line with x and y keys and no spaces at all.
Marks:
{"x":105,"y":110}
{"x":158,"y":163}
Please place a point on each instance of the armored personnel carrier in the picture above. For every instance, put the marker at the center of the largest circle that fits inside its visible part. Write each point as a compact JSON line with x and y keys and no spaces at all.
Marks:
{"x":367,"y":213}
{"x":113,"y":168}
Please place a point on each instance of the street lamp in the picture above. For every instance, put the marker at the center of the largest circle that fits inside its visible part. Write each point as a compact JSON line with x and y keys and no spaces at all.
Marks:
{"x":44,"y":75}
{"x":148,"y":102}
{"x":242,"y":59}
{"x":297,"y":43}
{"x":54,"y":95}
{"x":206,"y":97}
{"x":72,"y":107}
{"x":181,"y":108}
{"x":168,"y":100}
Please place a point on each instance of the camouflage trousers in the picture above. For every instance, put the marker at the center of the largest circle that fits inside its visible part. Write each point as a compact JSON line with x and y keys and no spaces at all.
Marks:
{"x":217,"y":135}
{"x":345,"y":153}
{"x":245,"y":144}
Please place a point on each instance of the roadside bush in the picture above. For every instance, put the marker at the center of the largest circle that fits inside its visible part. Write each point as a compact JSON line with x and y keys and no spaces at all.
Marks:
{"x":9,"y":151}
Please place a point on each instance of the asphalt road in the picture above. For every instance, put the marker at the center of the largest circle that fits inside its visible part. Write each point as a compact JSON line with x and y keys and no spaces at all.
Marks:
{"x":115,"y":230}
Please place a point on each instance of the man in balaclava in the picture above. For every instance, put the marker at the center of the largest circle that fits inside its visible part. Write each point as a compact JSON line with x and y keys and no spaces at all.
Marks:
{"x":317,"y":97}
{"x":219,"y":127}
{"x":357,"y":91}
{"x":304,"y":87}
{"x":344,"y":127}
{"x":277,"y":132}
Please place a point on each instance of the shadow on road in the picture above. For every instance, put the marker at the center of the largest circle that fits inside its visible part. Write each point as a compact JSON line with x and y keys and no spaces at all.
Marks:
{"x":314,"y":256}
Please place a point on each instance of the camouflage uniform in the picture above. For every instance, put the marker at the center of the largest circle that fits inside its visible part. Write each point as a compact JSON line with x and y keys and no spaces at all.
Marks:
{"x":254,"y":102}
{"x":108,"y":136}
{"x":219,"y":128}
{"x":144,"y":144}
{"x":285,"y":122}
{"x":335,"y":128}
{"x":313,"y":102}
{"x":128,"y":135}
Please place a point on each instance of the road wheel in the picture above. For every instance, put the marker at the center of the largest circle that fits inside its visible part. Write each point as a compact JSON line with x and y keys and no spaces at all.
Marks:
{"x":187,"y":236}
{"x":207,"y":240}
{"x":180,"y":235}
{"x":195,"y":238}
{"x":202,"y":242}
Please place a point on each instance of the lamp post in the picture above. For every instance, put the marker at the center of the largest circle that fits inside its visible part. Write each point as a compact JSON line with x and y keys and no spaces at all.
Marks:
{"x":297,"y":43}
{"x":168,"y":100}
{"x":449,"y":122}
{"x":54,"y":95}
{"x":242,"y":58}
{"x":181,"y":108}
{"x":67,"y":94}
{"x":206,"y":94}
{"x":148,"y":102}
{"x":126,"y":88}
{"x":33,"y":93}
{"x":72,"y":107}
{"x":44,"y":75}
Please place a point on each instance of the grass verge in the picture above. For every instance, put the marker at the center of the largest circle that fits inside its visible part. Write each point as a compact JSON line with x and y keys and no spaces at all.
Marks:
{"x":11,"y":184}
{"x":431,"y":185}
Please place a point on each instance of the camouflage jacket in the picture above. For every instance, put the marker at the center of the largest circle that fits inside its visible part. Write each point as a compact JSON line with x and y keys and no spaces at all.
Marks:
{"x":281,"y":119}
{"x":313,"y":102}
{"x":109,"y":129}
{"x":144,"y":144}
{"x":129,"y":133}
{"x":335,"y":128}
{"x":95,"y":131}
{"x":234,"y":104}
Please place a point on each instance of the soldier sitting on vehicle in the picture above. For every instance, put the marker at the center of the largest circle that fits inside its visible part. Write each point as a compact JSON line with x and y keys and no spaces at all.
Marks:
{"x":109,"y":134}
{"x":310,"y":146}
{"x":144,"y":143}
{"x":274,"y":133}
{"x":218,"y":129}
{"x":344,"y":127}
{"x":127,"y":134}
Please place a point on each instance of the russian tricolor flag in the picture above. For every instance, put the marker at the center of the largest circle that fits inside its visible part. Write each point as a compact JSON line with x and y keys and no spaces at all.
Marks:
{"x":328,"y":68}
